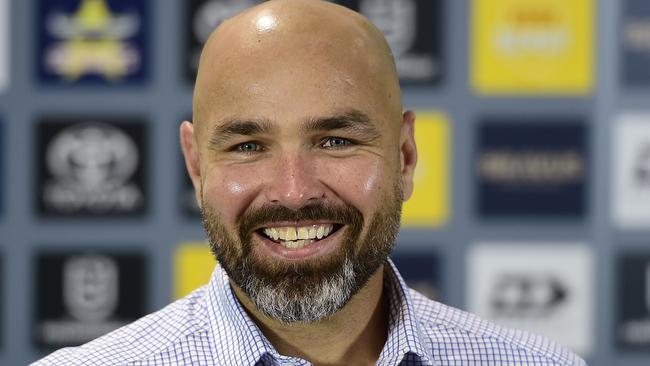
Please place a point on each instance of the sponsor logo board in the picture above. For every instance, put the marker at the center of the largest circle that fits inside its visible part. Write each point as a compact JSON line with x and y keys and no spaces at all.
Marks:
{"x":546,"y":288}
{"x":90,"y":167}
{"x":193,"y":265}
{"x":203,"y":16}
{"x":421,"y":271}
{"x":82,"y":295}
{"x":430,"y":203}
{"x":631,"y":171}
{"x":92,"y":41}
{"x":536,"y":46}
{"x":532,"y":169}
{"x":633,"y":301}
{"x":635,"y":42}
{"x":412,"y":29}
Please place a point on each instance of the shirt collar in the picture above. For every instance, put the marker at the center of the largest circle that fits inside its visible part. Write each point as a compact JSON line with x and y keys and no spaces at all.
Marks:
{"x":237,"y":340}
{"x":404,"y":333}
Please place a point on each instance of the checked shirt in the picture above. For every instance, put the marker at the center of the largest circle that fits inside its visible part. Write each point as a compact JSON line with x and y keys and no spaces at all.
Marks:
{"x":210,"y":327}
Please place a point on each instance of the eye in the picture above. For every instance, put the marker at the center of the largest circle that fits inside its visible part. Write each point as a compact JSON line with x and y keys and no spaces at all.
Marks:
{"x":335,"y":142}
{"x":248,"y":147}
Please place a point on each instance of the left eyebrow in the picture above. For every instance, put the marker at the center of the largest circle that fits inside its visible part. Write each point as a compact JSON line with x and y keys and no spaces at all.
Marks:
{"x":235,"y":128}
{"x":352,"y":120}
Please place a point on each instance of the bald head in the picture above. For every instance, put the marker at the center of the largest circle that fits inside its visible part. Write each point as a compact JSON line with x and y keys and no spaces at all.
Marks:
{"x":306,"y":44}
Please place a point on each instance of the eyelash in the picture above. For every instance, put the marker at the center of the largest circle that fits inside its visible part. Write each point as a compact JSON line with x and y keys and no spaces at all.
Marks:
{"x":239,"y":148}
{"x":347,"y":142}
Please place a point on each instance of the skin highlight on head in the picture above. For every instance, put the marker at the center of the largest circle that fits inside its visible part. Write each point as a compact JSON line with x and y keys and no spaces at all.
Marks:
{"x":297,"y":107}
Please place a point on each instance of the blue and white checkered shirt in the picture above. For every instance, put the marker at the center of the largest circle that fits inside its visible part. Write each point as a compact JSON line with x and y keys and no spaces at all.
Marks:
{"x":210,"y":327}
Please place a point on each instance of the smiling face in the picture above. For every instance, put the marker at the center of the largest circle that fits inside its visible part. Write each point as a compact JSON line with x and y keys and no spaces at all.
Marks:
{"x":299,"y":154}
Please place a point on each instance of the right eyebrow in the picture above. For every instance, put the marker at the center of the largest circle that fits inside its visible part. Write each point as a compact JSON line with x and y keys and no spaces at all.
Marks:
{"x":351,"y":120}
{"x":236,"y":127}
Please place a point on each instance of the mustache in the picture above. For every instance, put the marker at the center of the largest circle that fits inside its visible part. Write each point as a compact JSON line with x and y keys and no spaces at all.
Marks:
{"x":254,"y":218}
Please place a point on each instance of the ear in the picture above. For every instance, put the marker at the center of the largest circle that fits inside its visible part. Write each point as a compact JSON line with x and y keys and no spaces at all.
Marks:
{"x":408,"y":153}
{"x":192,"y":157}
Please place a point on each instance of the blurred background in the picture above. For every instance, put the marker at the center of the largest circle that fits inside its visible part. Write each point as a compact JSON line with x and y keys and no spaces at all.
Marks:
{"x":532,"y":198}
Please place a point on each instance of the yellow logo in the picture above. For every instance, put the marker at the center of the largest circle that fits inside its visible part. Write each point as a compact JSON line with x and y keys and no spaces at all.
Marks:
{"x":193,"y":265}
{"x":429,"y":204}
{"x":533,"y":46}
{"x":92,"y":40}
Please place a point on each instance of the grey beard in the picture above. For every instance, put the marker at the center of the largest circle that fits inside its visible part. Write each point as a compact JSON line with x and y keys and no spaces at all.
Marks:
{"x":317,"y":303}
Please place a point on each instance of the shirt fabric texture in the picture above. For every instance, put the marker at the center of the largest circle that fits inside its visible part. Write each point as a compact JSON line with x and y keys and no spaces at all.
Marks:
{"x":210,"y":327}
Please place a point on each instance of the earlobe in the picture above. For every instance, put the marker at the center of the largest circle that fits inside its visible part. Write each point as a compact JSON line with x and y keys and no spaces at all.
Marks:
{"x":191,"y":156}
{"x":408,"y":153}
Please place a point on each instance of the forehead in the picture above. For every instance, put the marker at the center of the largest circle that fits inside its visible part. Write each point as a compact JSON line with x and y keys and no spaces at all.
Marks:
{"x":303,"y":85}
{"x":291,"y":78}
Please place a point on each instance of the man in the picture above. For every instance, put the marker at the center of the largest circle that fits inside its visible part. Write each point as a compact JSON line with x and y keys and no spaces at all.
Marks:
{"x":301,"y":157}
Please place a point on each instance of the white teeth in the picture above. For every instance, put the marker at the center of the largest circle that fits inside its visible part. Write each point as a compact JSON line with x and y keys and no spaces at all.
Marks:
{"x":297,"y":237}
{"x":291,"y":233}
{"x":271,"y":233}
{"x":296,"y":244}
{"x":303,"y":233}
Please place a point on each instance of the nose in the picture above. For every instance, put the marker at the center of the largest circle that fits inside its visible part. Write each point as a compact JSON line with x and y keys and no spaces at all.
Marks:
{"x":295,"y":181}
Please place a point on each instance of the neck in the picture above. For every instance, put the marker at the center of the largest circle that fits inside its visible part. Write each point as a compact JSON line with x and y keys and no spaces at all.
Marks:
{"x":352,"y":336}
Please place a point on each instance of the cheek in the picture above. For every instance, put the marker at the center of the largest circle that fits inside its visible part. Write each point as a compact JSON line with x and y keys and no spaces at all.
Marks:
{"x":229,"y":191}
{"x":359,"y":181}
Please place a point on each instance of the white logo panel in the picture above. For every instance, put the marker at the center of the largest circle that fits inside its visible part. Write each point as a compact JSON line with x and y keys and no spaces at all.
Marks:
{"x":631,"y":171}
{"x":545,"y":288}
{"x":4,"y":45}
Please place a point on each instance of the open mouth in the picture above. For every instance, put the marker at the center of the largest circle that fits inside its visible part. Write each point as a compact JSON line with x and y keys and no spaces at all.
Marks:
{"x":294,"y":237}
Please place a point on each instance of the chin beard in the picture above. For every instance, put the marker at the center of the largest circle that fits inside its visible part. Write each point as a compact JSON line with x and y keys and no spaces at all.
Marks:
{"x":310,"y":290}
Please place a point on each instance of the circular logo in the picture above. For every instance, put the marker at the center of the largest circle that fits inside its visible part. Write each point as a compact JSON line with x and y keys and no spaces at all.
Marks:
{"x":92,"y":157}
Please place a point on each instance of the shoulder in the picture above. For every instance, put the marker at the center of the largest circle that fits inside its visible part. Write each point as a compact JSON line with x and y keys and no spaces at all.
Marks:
{"x":155,"y":336}
{"x":455,"y":334}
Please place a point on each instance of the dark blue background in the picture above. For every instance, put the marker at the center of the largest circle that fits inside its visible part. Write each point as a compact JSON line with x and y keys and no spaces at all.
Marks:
{"x":139,"y":40}
{"x":497,"y":200}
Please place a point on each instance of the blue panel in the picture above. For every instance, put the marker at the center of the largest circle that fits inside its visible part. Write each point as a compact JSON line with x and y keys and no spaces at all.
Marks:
{"x":633,"y":301}
{"x":533,"y":169}
{"x":92,"y":41}
{"x":421,"y":271}
{"x":635,"y":42}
